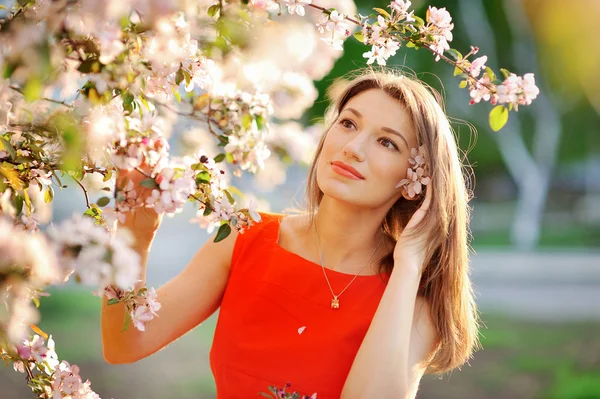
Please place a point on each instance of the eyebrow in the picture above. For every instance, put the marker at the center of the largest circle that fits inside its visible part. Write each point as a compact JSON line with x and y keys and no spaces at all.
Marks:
{"x":385,"y":129}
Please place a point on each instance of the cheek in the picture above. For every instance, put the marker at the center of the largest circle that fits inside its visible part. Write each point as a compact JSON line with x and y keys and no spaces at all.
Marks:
{"x":334,"y":141}
{"x":389,"y":169}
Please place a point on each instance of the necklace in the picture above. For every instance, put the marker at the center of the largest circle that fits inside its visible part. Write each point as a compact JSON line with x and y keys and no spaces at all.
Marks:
{"x":335,"y":302}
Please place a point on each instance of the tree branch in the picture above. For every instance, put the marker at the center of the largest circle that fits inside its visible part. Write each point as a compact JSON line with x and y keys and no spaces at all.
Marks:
{"x":18,"y":90}
{"x":87,"y":199}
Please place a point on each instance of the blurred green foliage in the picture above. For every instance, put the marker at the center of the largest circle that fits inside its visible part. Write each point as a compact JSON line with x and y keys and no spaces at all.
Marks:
{"x":523,"y":359}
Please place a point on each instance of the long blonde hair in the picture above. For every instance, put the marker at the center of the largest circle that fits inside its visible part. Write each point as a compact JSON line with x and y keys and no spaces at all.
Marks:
{"x":445,"y":282}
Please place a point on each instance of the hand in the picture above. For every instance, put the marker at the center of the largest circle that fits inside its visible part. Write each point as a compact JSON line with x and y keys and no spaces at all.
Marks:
{"x":142,"y":220}
{"x":414,"y":247}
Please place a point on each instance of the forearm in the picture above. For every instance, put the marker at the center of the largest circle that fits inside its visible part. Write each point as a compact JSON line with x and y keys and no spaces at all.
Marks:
{"x":114,"y":342}
{"x":380,"y":369}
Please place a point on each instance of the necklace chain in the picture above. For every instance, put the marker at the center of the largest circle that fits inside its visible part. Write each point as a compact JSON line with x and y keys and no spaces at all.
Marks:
{"x":335,"y":303}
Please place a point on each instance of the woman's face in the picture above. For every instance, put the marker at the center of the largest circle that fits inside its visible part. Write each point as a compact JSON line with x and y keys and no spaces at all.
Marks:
{"x":373,"y":135}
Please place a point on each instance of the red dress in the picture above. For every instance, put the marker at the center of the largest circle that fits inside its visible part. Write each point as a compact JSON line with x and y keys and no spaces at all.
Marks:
{"x":276,"y":324}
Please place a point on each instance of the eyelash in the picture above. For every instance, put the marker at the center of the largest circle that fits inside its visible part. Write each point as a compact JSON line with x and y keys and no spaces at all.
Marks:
{"x":343,"y":123}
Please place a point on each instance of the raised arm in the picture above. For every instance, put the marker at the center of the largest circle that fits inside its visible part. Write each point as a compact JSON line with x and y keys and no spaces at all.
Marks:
{"x":186,"y":300}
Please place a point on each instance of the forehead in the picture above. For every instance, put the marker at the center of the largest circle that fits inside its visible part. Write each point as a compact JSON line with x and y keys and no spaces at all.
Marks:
{"x":379,"y":109}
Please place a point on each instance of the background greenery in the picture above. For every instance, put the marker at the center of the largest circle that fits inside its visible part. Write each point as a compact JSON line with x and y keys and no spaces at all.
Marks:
{"x":521,"y":359}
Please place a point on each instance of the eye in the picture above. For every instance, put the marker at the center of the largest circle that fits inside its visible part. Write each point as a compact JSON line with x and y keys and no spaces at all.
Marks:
{"x":388,"y":143}
{"x":347,"y":123}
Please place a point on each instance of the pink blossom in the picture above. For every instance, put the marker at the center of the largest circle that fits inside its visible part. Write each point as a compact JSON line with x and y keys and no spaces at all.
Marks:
{"x":509,"y":89}
{"x":336,"y":23}
{"x":439,"y":45}
{"x":440,"y":18}
{"x":530,"y":90}
{"x":479,"y":91}
{"x":296,"y":6}
{"x":144,"y":309}
{"x":336,"y":44}
{"x":140,"y":316}
{"x":377,"y":53}
{"x":477,"y":65}
{"x":417,"y":175}
{"x":401,"y":7}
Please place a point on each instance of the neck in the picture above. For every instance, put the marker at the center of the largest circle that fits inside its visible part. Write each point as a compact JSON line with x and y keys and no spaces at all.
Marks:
{"x":348,"y":236}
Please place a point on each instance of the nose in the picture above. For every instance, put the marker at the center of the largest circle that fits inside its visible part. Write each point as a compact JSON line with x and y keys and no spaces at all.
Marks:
{"x":355,"y":148}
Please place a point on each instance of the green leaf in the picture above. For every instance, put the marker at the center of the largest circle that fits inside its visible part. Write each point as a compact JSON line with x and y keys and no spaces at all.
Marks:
{"x":18,"y":202}
{"x":247,"y":121}
{"x":176,"y":93}
{"x":419,"y":21}
{"x":410,"y":45}
{"x":219,"y":157}
{"x":107,"y":176}
{"x":457,"y":71}
{"x":229,"y":197}
{"x":113,"y":301}
{"x":260,"y":122}
{"x":455,"y":53}
{"x":498,"y":117}
{"x":145,"y":102}
{"x":463,"y":84}
{"x":102,"y":202}
{"x":32,"y":90}
{"x":6,"y":145}
{"x":149,"y":183}
{"x":27,"y":202}
{"x":127,"y":97}
{"x":490,"y":73}
{"x":126,"y":322}
{"x":359,"y":36}
{"x":203,"y":178}
{"x":179,"y":76}
{"x":3,"y":7}
{"x":213,"y":10}
{"x":223,"y":232}
{"x":8,"y":70}
{"x":49,"y":195}
{"x":90,"y":65}
{"x":383,"y":12}
{"x":505,"y":73}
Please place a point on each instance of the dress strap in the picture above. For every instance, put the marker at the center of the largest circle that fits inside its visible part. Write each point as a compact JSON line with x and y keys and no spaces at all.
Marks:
{"x":259,"y":238}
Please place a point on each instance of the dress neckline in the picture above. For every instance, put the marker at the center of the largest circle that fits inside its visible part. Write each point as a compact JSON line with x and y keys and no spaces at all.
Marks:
{"x":278,"y":219}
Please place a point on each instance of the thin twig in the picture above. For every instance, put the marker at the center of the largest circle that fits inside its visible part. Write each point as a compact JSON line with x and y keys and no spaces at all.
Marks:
{"x":190,"y":115}
{"x":323,"y":9}
{"x":418,"y":43}
{"x":87,"y":199}
{"x":142,"y":172}
{"x":209,"y":118}
{"x":18,"y":90}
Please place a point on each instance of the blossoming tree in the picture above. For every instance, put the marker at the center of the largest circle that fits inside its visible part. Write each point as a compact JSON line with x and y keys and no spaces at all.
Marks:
{"x":92,"y":90}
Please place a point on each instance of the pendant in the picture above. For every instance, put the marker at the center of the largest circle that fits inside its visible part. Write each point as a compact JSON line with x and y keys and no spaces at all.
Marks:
{"x":335,"y":303}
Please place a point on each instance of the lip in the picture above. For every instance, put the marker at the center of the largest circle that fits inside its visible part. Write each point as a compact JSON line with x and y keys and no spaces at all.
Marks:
{"x":346,"y":170}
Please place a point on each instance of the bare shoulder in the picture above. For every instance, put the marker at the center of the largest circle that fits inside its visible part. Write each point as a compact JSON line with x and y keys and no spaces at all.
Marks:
{"x":292,"y":229}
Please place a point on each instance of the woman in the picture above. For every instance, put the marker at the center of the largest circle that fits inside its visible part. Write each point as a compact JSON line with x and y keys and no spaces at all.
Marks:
{"x":356,"y":298}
